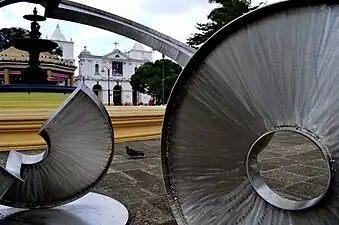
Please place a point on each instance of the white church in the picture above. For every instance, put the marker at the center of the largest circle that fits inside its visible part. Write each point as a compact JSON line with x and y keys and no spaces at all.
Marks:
{"x":108,"y":75}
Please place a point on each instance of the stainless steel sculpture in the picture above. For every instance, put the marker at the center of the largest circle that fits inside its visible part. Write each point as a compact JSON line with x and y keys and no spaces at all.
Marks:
{"x":273,"y":69}
{"x":80,"y":150}
{"x":83,"y":14}
{"x":80,"y":141}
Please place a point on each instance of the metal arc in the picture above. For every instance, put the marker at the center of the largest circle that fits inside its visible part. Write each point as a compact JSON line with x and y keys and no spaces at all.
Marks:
{"x":83,"y":14}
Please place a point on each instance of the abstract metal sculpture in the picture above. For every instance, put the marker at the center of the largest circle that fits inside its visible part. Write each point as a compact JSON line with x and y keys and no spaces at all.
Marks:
{"x":274,"y":69}
{"x":80,"y":147}
{"x":80,"y":150}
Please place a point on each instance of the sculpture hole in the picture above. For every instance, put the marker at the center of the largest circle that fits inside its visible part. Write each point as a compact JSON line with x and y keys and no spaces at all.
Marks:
{"x":288,"y":169}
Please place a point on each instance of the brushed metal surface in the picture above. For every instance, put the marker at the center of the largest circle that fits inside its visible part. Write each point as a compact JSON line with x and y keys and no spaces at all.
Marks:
{"x":80,"y":150}
{"x":277,"y":66}
{"x":91,"y":209}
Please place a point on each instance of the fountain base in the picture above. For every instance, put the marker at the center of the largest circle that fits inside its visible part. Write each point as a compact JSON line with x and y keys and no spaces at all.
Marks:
{"x":91,"y":209}
{"x":36,"y":88}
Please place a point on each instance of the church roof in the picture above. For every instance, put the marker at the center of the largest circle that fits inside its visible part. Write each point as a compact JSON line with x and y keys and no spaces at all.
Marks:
{"x":85,"y":52}
{"x":117,"y":54}
{"x":137,"y":46}
{"x":14,"y":54}
{"x":57,"y":34}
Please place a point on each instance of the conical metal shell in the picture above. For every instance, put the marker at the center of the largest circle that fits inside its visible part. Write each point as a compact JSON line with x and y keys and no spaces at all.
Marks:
{"x":277,"y":66}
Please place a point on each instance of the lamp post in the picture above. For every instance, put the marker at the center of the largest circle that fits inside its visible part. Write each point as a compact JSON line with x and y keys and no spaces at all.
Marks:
{"x":163,"y":78}
{"x":108,"y":83}
{"x":81,"y":73}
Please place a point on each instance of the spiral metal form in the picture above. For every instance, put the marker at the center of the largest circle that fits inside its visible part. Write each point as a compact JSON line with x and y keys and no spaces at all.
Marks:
{"x":80,"y":150}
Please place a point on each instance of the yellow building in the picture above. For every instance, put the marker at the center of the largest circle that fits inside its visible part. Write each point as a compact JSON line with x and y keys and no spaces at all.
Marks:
{"x":13,"y":61}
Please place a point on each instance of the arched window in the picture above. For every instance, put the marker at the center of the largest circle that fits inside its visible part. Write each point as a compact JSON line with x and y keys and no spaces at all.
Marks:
{"x":97,"y":68}
{"x":135,"y":69}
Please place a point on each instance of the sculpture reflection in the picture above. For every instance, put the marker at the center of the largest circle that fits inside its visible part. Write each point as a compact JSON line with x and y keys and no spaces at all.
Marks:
{"x":294,"y":161}
{"x":288,"y":169}
{"x":46,"y":217}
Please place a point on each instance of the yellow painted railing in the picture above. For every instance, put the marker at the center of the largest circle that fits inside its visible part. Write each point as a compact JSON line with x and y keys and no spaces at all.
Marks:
{"x":19,"y":127}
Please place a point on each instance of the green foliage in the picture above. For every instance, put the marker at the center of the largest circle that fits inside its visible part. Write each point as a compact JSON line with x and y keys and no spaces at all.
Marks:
{"x":57,"y":51}
{"x":7,"y":35}
{"x":227,"y":11}
{"x":148,"y":78}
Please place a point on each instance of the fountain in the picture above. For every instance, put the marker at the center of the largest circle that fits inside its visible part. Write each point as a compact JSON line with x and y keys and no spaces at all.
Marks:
{"x":33,"y":78}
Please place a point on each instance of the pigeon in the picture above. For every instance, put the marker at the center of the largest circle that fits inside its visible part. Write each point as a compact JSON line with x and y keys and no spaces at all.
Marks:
{"x":133,"y":152}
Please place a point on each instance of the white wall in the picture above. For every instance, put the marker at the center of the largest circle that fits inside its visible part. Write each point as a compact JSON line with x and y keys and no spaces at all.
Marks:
{"x":145,"y":98}
{"x":67,"y":49}
{"x":126,"y":95}
{"x":141,"y":55}
{"x":87,"y":68}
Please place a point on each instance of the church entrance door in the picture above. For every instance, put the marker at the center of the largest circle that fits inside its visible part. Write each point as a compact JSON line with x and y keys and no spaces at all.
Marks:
{"x":97,"y":89}
{"x":117,"y":94}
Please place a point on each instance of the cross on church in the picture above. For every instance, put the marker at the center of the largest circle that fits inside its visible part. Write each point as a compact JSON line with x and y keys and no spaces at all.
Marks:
{"x":115,"y":45}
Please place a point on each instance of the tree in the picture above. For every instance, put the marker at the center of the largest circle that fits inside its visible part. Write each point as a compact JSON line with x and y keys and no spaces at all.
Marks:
{"x":148,"y":78}
{"x":227,"y":11}
{"x":9,"y":34}
{"x":57,"y":51}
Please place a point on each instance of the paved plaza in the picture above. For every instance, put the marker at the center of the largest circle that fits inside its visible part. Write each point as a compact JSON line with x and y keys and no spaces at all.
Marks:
{"x":138,"y":184}
{"x":293,"y":166}
{"x":290,"y":166}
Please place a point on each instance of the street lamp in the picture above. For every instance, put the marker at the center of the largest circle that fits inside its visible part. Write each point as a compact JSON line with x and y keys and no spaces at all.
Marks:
{"x":108,"y":84}
{"x":81,"y":73}
{"x":163,"y":78}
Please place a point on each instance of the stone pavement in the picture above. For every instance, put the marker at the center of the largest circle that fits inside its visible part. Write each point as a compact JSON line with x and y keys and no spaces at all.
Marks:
{"x":138,"y":184}
{"x":293,"y":167}
{"x":290,"y":166}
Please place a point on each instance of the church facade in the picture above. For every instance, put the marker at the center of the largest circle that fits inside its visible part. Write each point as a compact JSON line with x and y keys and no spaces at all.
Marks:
{"x":109,"y":75}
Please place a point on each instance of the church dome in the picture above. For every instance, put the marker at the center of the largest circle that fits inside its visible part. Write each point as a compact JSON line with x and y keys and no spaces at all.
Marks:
{"x":57,"y":34}
{"x":137,"y":46}
{"x":85,"y":52}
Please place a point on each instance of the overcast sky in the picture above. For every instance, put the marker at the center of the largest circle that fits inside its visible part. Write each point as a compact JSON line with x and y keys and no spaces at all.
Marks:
{"x":176,"y":18}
